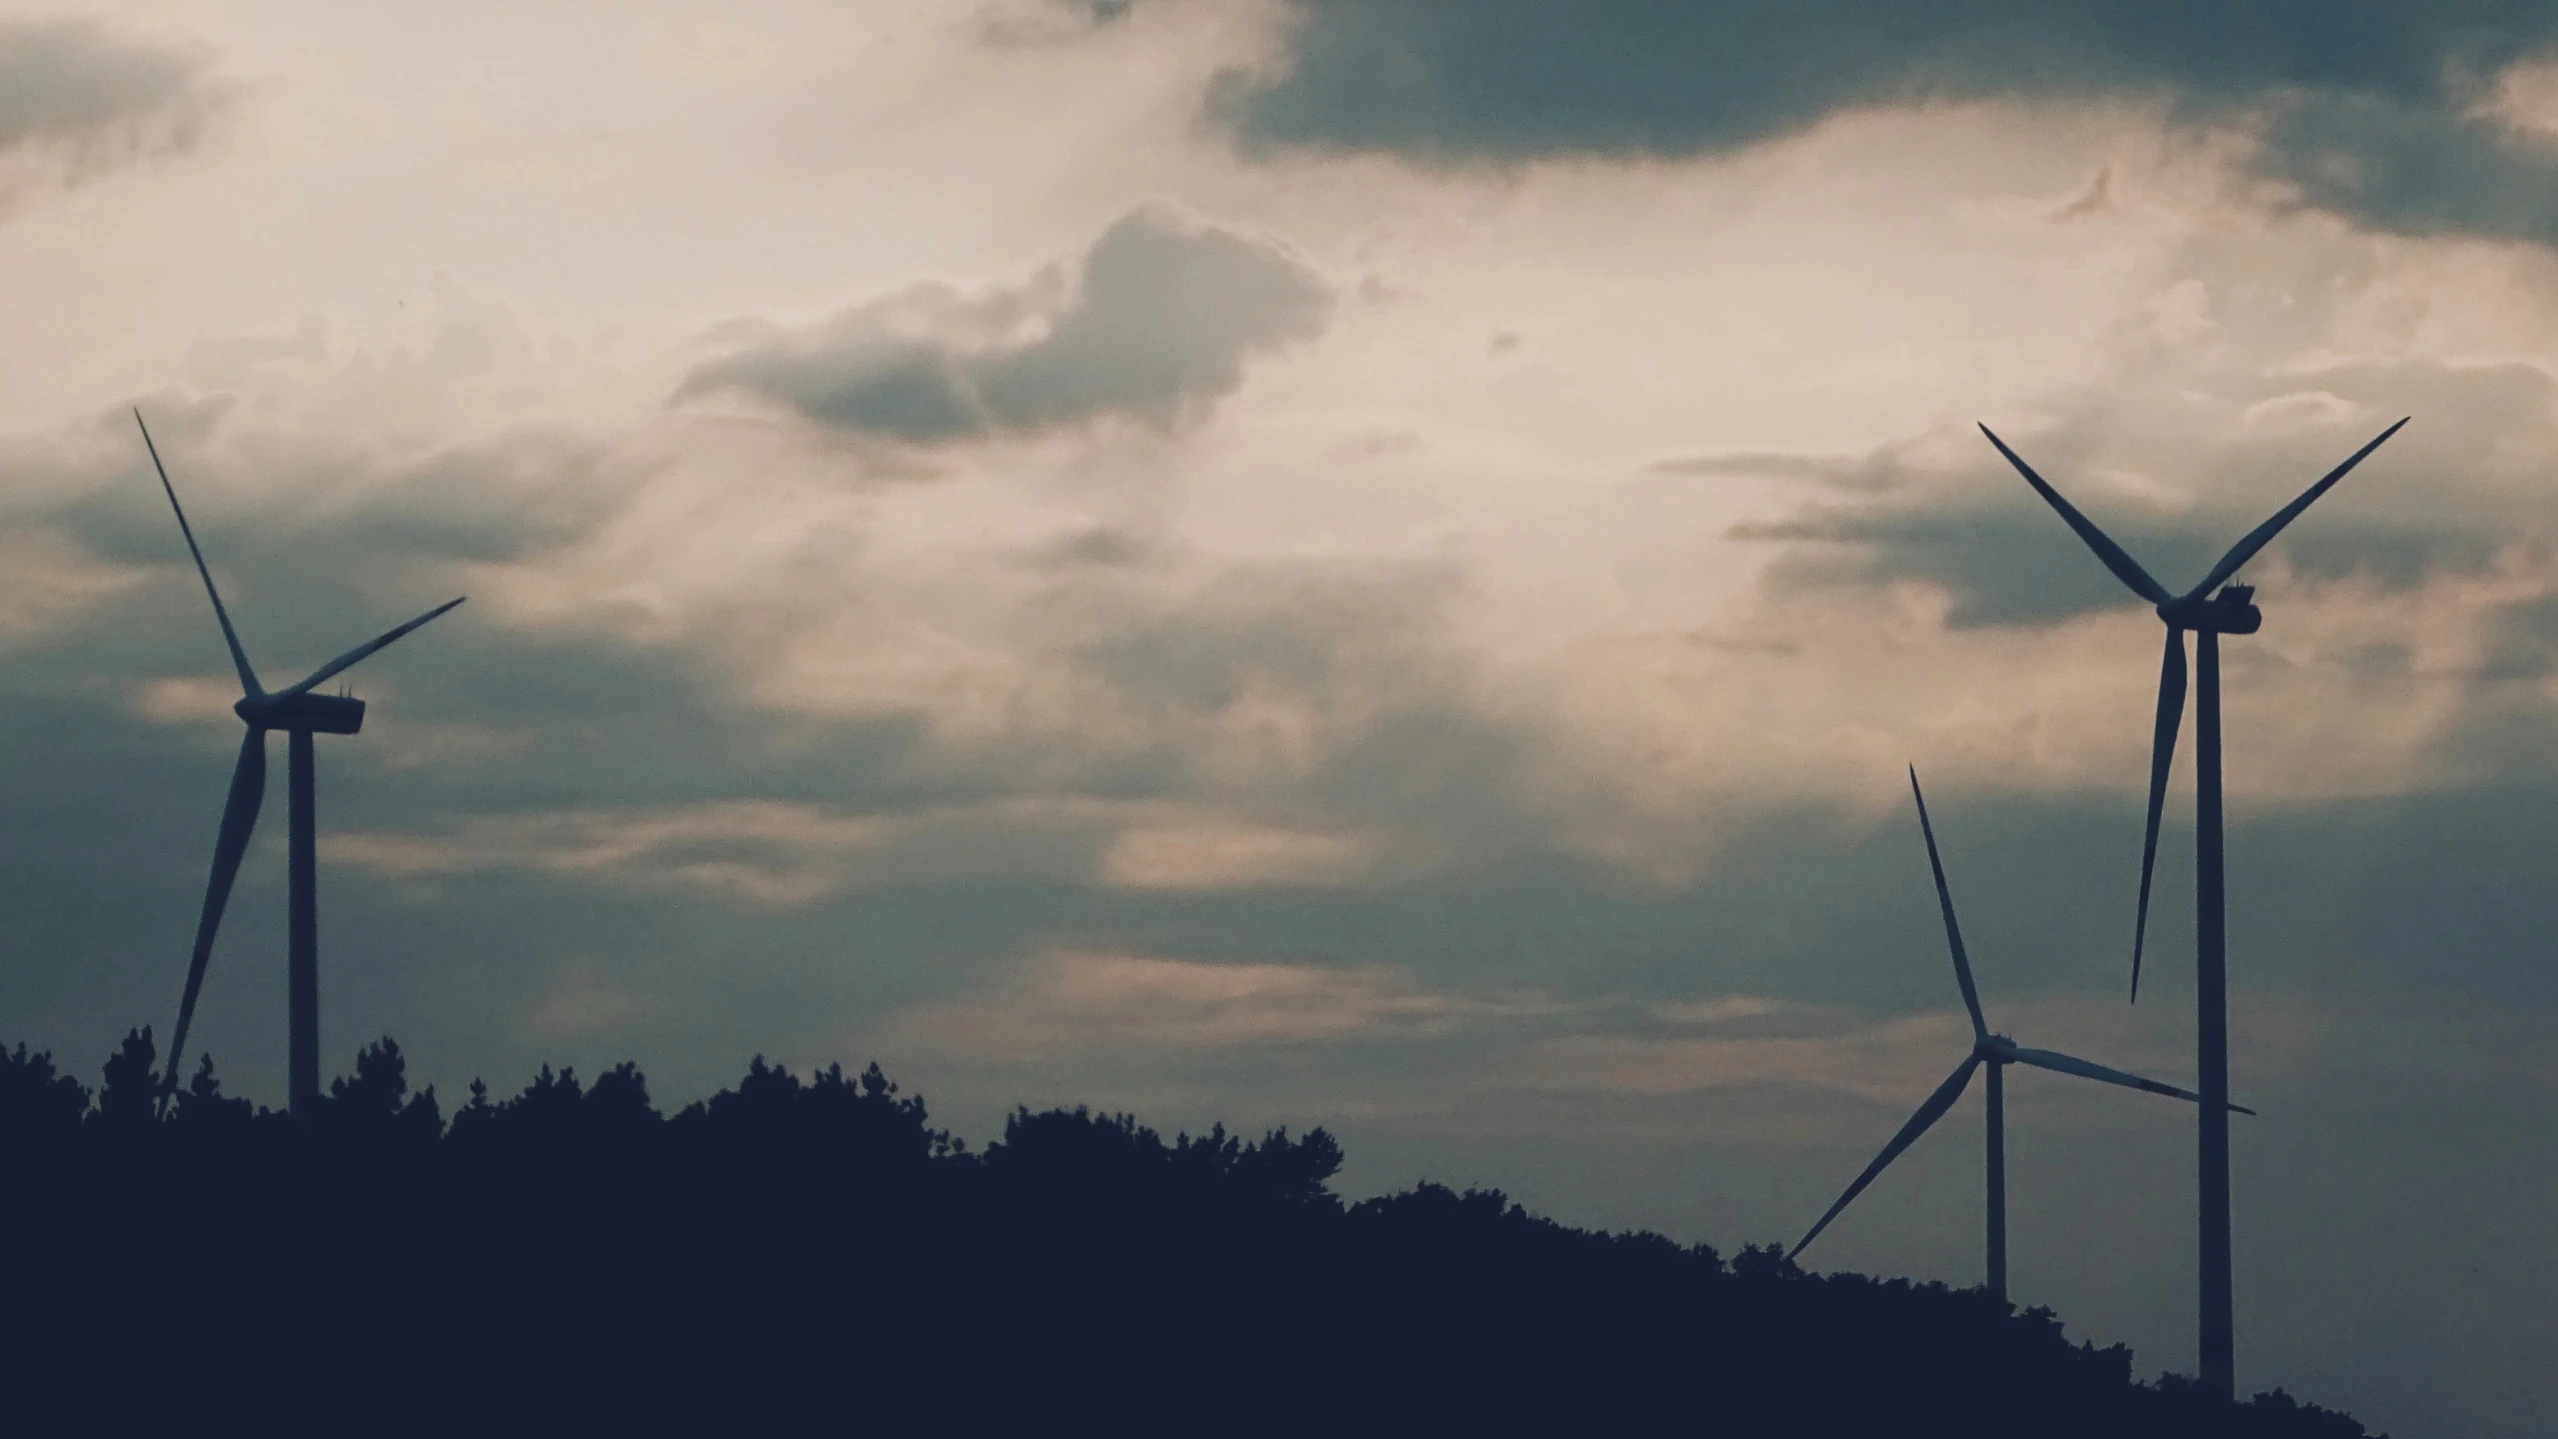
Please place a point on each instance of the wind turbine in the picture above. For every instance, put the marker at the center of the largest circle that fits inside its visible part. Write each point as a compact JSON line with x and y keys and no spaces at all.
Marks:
{"x":1997,"y":1051}
{"x":2209,"y":616}
{"x":300,"y":714}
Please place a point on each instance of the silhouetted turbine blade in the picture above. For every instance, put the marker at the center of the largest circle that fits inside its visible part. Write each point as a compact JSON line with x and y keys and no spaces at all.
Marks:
{"x":360,"y":651}
{"x":1928,"y":1113}
{"x":239,"y":657}
{"x":2263,"y":535}
{"x":239,"y":818}
{"x":1945,"y":902}
{"x":2067,"y":1064}
{"x":2125,"y":568}
{"x":2162,"y":754}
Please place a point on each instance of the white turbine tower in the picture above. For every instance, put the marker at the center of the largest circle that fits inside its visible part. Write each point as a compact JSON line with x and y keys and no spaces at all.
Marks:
{"x":300,"y":714}
{"x":1997,"y":1051}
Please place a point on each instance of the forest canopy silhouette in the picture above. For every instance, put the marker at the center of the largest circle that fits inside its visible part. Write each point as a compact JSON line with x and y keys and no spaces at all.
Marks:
{"x":814,"y":1251}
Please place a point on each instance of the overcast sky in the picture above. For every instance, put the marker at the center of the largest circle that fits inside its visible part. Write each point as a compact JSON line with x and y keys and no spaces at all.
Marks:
{"x":1319,"y":561}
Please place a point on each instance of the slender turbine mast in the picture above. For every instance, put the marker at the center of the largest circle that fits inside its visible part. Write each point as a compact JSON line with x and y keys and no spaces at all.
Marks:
{"x":1996,"y":1051}
{"x":300,"y":714}
{"x":2209,"y":616}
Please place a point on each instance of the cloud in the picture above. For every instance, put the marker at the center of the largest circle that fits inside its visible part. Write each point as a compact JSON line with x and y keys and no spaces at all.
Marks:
{"x":584,"y":1001}
{"x":2176,"y":475}
{"x":2414,"y":168}
{"x":1898,"y":1059}
{"x":46,"y":579}
{"x":1518,"y":79}
{"x":2403,"y":647}
{"x":761,"y":853}
{"x":2000,"y":562}
{"x":1011,"y":23}
{"x":1100,"y":12}
{"x":79,"y":100}
{"x":1162,"y":316}
{"x":1080,"y":1000}
{"x":1725,"y":1009}
{"x":2404,"y":115}
{"x":784,"y":854}
{"x":1224,"y":856}
{"x":1879,"y":470}
{"x":787,"y":854}
{"x":1894,"y":1061}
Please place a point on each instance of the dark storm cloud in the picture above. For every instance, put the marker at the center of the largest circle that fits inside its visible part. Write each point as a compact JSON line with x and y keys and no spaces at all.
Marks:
{"x":1522,"y":79}
{"x":2001,"y":560}
{"x":511,"y":496}
{"x":2006,"y":560}
{"x":2418,"y":169}
{"x":82,"y":99}
{"x":2367,"y":101}
{"x":1160,"y":321}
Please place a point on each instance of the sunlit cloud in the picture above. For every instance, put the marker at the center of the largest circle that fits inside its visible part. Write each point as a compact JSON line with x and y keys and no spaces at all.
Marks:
{"x":769,"y":854}
{"x":46,"y":581}
{"x":1074,"y":1000}
{"x":1224,"y":856}
{"x":194,"y":700}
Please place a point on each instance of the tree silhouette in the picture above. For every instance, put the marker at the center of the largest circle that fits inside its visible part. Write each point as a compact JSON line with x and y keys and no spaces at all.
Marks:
{"x":129,"y":1100}
{"x":38,"y":1104}
{"x":795,"y":1252}
{"x":374,"y":1105}
{"x":202,"y":1107}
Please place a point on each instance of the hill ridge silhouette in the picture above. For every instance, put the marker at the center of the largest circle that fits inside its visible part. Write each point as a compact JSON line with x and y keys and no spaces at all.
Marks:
{"x":815,"y":1251}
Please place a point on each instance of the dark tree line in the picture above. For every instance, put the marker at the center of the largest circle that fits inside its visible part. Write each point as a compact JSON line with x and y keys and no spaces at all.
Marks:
{"x":813,"y":1252}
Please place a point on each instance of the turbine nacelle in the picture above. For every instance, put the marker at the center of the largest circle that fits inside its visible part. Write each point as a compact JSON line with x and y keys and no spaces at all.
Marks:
{"x":2226,"y":613}
{"x":320,"y":714}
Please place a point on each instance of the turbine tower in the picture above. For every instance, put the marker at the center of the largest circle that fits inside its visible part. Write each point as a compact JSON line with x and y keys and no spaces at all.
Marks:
{"x":1997,"y":1051}
{"x":300,"y":714}
{"x":2209,"y":616}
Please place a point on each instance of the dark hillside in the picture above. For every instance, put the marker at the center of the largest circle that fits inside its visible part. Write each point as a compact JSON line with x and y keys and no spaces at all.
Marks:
{"x":813,"y":1253}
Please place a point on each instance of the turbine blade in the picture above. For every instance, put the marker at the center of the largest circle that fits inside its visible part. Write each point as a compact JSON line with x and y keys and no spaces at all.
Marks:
{"x":239,"y":818}
{"x":1945,"y":902}
{"x":1928,"y":1113}
{"x":239,"y":657}
{"x":2125,"y":568}
{"x":2162,"y":754}
{"x":360,"y":651}
{"x":2069,"y":1064}
{"x":2263,"y":535}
